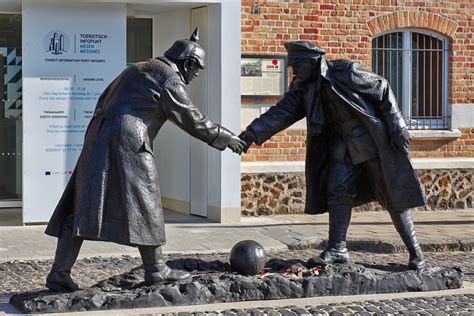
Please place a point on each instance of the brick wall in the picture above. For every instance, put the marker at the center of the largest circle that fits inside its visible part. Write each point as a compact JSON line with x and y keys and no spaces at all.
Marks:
{"x":461,"y":147}
{"x":287,"y":145}
{"x":345,"y":29}
{"x":290,"y":145}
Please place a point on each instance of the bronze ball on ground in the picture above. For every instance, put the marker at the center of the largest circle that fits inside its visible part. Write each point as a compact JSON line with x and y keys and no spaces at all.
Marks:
{"x":247,"y":257}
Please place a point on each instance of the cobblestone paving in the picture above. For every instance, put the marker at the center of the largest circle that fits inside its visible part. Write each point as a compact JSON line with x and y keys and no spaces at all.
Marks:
{"x":19,"y":276}
{"x":443,"y":305}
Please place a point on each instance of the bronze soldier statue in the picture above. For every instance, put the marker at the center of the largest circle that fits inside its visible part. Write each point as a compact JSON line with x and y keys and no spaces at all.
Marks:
{"x":357,"y":145}
{"x":113,"y":194}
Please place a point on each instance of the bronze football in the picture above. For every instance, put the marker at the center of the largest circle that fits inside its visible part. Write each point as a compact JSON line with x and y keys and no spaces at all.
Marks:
{"x":247,"y":257}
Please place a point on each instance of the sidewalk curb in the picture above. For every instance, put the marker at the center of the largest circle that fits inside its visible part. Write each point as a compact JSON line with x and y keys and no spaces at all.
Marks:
{"x":371,"y":246}
{"x":381,"y":246}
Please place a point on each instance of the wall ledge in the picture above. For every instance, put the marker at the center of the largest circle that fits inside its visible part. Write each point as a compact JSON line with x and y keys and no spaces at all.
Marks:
{"x":449,"y":134}
{"x":272,"y":167}
{"x":298,"y":166}
{"x":443,"y":163}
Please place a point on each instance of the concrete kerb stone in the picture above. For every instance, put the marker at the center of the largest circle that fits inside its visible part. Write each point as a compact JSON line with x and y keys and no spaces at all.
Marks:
{"x":5,"y":307}
{"x":379,"y":246}
{"x":375,"y":246}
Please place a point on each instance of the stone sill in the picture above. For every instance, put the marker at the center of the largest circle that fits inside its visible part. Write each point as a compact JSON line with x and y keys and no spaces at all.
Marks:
{"x":272,"y":166}
{"x":435,"y":134}
{"x":298,"y":166}
{"x":443,"y":163}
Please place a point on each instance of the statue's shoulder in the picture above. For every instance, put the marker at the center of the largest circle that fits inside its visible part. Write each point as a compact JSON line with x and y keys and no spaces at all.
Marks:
{"x":340,"y":64}
{"x":339,"y":70}
{"x":158,"y":69}
{"x":349,"y":71}
{"x":155,"y":64}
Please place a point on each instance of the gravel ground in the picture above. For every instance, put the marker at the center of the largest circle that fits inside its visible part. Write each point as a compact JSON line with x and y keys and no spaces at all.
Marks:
{"x":19,"y":276}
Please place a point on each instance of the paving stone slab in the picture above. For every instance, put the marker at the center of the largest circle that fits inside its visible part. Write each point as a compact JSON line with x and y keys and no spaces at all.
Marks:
{"x":126,"y":290}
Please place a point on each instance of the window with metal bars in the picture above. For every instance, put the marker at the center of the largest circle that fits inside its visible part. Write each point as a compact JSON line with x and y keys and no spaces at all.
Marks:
{"x":415,"y":64}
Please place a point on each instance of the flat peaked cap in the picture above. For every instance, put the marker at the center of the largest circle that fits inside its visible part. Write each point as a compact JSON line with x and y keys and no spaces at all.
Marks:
{"x":302,"y":49}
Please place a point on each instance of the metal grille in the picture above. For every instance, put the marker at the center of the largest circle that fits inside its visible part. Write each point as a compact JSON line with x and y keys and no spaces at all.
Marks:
{"x":413,"y":63}
{"x":387,"y":53}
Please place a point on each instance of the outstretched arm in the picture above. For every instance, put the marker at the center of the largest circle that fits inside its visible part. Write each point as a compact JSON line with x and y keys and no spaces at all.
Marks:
{"x":181,"y":111}
{"x":286,"y":112}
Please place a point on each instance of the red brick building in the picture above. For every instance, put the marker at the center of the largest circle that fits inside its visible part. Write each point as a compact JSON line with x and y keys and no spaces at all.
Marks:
{"x":424,"y":48}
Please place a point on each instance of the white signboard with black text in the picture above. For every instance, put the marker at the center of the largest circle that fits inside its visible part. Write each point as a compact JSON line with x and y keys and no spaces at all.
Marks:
{"x":262,"y":76}
{"x":71,"y":52}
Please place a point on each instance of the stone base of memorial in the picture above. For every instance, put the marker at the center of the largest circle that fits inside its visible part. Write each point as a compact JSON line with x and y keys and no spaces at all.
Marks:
{"x":213,"y":282}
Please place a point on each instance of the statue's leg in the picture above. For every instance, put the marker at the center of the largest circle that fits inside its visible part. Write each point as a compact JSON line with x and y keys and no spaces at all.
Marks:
{"x":155,"y":269}
{"x":403,"y":222}
{"x":67,"y":250}
{"x":401,"y":219}
{"x":339,"y":218}
{"x":340,"y":194}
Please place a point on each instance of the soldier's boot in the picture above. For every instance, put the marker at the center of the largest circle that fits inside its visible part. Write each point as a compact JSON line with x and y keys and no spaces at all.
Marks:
{"x":67,"y":250}
{"x":156,"y":270}
{"x":403,"y":223}
{"x":336,"y":251}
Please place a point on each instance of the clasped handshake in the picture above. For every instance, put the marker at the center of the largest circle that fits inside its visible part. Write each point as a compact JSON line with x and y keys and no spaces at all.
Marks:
{"x":241,"y":143}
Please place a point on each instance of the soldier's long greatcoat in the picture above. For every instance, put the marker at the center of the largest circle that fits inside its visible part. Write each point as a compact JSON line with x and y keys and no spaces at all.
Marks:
{"x":371,"y":100}
{"x":114,"y":191}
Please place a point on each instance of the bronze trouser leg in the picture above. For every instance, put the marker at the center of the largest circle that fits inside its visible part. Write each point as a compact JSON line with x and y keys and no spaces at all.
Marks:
{"x":67,"y":248}
{"x":151,"y":257}
{"x":339,"y":219}
{"x":341,"y":188}
{"x":401,"y":219}
{"x":403,"y":223}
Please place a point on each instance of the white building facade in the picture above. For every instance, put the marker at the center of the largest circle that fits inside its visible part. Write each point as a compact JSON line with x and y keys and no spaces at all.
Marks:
{"x":58,"y":56}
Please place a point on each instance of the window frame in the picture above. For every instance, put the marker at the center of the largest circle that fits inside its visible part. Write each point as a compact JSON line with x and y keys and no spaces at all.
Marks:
{"x":407,"y":52}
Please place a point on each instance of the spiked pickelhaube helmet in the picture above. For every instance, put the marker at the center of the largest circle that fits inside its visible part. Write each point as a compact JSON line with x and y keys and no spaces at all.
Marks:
{"x":188,"y":49}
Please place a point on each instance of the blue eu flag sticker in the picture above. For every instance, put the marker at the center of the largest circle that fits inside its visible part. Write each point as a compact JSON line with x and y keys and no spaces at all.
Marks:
{"x":47,"y":173}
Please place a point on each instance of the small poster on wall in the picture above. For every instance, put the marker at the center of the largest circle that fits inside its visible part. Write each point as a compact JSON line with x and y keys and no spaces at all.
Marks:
{"x":262,"y":76}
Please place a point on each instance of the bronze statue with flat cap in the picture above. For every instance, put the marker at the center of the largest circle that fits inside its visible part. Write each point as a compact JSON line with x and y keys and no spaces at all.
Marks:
{"x":113,"y":194}
{"x":357,"y":145}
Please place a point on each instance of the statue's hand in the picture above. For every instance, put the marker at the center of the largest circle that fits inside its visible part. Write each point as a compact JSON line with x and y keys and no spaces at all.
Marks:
{"x":236,"y":145}
{"x":248,"y":138}
{"x":400,"y":140}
